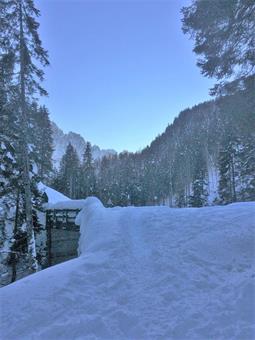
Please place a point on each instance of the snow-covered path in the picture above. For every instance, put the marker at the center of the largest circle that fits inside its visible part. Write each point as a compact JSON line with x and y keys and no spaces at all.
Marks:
{"x":144,"y":273}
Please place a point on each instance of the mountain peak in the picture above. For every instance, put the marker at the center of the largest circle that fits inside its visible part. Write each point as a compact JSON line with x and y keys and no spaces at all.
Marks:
{"x":61,"y":140}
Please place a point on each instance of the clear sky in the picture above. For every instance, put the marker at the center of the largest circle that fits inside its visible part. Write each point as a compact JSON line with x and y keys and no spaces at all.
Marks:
{"x":120,"y":70}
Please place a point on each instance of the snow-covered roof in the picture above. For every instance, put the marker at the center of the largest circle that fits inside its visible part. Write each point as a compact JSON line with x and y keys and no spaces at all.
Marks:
{"x":53,"y":195}
{"x":71,"y":204}
{"x":56,"y":200}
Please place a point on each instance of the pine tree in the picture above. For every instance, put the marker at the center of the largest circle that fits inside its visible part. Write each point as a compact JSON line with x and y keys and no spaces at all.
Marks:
{"x":43,"y":141}
{"x":20,"y":34}
{"x":10,"y":180}
{"x":227,"y":170}
{"x":88,"y":177}
{"x":198,"y":198}
{"x":69,"y":173}
{"x":8,"y":126}
{"x":108,"y":185}
{"x":247,"y":173}
{"x":199,"y":194}
{"x":224,"y":35}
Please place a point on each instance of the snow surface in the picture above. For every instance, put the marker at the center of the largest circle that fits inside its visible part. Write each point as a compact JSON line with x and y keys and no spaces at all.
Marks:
{"x":71,"y":204}
{"x":56,"y":200}
{"x":144,"y":273}
{"x":53,"y":195}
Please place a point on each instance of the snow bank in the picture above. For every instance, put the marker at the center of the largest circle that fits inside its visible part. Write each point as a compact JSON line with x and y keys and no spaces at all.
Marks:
{"x":70,"y":204}
{"x":92,"y":232}
{"x":144,"y":273}
{"x":53,"y":195}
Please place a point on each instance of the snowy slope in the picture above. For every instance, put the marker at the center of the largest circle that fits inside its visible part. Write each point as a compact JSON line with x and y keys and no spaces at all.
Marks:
{"x":144,"y":273}
{"x":71,"y":204}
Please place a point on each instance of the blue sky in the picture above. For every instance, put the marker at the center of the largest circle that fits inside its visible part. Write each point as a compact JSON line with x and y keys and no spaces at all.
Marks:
{"x":120,"y":70}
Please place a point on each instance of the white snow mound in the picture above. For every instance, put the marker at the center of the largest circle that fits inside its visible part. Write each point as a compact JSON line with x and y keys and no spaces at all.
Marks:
{"x":144,"y":273}
{"x":53,"y":195}
{"x":70,"y":204}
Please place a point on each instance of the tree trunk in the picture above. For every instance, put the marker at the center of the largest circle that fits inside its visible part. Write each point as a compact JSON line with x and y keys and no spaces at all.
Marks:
{"x":233,"y":180}
{"x":25,"y":152}
{"x":15,"y":229}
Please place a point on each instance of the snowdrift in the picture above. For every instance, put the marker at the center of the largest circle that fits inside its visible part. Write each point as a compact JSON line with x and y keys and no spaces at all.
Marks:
{"x":56,"y":200}
{"x":53,"y":195}
{"x":144,"y":273}
{"x":71,"y":204}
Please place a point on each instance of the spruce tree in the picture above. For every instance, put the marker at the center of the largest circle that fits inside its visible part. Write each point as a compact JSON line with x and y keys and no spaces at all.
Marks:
{"x":199,"y":194}
{"x":198,"y":198}
{"x":68,"y":176}
{"x":247,"y":173}
{"x":88,"y":177}
{"x":10,"y":180}
{"x":8,"y":126}
{"x":20,"y":34}
{"x":224,"y":35}
{"x":43,"y":141}
{"x":227,"y":171}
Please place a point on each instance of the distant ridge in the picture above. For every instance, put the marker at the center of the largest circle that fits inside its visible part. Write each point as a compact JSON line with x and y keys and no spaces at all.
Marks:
{"x":61,"y":140}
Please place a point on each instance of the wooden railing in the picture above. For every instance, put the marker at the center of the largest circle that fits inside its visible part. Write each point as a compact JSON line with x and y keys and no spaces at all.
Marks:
{"x":62,"y":235}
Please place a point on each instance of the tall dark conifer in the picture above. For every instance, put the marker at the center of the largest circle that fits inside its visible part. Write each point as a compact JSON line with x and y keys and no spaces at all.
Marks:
{"x":224,"y":39}
{"x":227,"y":170}
{"x":88,"y":177}
{"x":21,"y":35}
{"x":42,"y":138}
{"x":68,"y":177}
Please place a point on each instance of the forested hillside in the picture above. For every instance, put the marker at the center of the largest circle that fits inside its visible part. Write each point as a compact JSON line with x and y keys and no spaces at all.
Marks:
{"x":205,"y":157}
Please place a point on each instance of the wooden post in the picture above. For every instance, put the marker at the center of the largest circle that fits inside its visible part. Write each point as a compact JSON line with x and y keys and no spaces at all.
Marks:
{"x":48,"y":229}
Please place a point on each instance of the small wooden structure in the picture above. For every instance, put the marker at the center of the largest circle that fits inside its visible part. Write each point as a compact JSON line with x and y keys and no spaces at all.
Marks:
{"x":62,"y":235}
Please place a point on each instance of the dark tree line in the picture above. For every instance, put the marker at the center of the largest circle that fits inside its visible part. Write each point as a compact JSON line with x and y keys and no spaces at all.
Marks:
{"x":76,"y":178}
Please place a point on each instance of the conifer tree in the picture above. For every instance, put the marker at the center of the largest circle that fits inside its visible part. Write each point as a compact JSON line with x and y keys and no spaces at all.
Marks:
{"x":20,"y":34}
{"x":8,"y":126}
{"x":43,"y":141}
{"x":10,"y":180}
{"x":227,"y":170}
{"x":88,"y":177}
{"x":199,"y":192}
{"x":69,"y":173}
{"x":224,"y":35}
{"x":198,"y":198}
{"x":247,"y":173}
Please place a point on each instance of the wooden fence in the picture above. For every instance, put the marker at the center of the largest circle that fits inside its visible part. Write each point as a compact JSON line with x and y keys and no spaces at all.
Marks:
{"x":62,"y":235}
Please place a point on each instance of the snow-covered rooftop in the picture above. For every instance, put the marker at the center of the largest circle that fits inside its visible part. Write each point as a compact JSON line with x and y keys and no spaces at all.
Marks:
{"x":71,"y":204}
{"x":53,"y":195}
{"x":56,"y":200}
{"x":144,"y":273}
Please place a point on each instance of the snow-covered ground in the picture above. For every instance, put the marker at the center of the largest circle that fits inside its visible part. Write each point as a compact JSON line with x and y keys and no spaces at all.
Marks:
{"x":144,"y":273}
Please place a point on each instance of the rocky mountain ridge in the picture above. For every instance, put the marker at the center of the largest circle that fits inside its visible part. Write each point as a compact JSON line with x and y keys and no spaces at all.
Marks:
{"x":61,"y":140}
